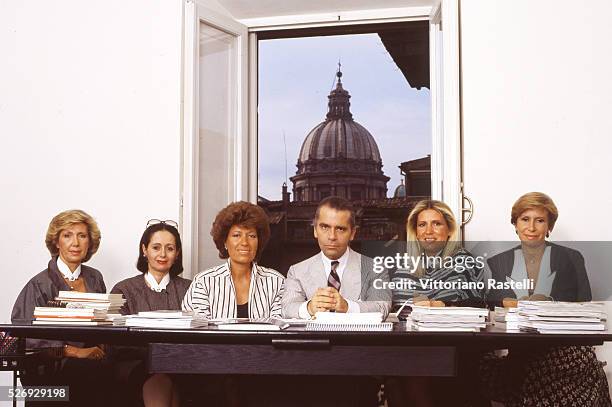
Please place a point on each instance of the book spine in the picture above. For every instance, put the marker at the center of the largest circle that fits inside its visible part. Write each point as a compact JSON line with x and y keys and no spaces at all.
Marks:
{"x":56,"y":304}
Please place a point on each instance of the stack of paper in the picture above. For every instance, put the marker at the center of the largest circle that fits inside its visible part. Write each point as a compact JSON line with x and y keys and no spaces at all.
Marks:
{"x":509,"y":317}
{"x":162,"y":319}
{"x":448,"y":319}
{"x":111,"y":303}
{"x":250,"y":324}
{"x":561,"y":317}
{"x":339,"y":321}
{"x":70,"y":316}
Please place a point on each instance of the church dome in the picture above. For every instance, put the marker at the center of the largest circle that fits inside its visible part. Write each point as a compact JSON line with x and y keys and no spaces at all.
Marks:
{"x":339,"y":157}
{"x":339,"y":136}
{"x":400,"y":190}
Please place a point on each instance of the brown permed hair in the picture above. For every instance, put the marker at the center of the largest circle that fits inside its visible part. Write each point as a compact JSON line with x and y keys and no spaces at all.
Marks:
{"x":243,"y":214}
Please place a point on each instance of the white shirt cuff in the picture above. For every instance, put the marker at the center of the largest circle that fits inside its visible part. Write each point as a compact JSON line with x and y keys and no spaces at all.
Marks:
{"x":353,"y":306}
{"x":303,"y":311}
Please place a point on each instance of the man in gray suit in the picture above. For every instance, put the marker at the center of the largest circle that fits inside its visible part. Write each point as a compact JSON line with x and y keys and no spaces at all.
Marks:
{"x":336,"y":279}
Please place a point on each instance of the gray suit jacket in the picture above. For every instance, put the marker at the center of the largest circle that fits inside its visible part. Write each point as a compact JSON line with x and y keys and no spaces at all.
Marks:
{"x":304,"y":278}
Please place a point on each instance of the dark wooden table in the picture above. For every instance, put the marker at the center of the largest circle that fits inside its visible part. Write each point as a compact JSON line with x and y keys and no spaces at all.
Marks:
{"x":298,"y":352}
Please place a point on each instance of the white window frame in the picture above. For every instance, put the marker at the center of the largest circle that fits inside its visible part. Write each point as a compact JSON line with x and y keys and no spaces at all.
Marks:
{"x":445,"y":114}
{"x":445,"y":105}
{"x":195,"y":14}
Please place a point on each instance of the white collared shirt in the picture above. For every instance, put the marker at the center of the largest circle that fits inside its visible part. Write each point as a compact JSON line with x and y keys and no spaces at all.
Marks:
{"x":154,"y":285}
{"x":65,"y":270}
{"x":343,"y":261}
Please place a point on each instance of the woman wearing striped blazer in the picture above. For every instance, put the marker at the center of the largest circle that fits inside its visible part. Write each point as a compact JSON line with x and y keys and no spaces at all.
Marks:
{"x":238,"y":288}
{"x":433,"y":239}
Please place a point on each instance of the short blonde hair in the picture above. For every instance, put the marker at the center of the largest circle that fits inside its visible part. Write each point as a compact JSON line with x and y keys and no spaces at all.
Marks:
{"x":453,"y":245}
{"x":66,"y":219}
{"x":535,"y":200}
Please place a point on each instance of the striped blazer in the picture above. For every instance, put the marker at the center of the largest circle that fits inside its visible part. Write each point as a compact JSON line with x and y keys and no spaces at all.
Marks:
{"x":212,"y":293}
{"x":460,"y":274}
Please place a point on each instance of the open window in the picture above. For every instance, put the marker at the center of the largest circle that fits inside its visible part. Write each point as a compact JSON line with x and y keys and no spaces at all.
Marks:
{"x":220,"y":109}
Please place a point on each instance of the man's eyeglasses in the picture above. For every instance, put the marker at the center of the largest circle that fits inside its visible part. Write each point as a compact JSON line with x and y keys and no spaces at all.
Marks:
{"x":168,"y":222}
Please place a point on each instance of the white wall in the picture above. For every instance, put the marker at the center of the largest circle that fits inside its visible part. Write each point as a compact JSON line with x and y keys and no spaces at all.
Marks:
{"x":89,"y":118}
{"x":537,"y":116}
{"x":537,"y":98}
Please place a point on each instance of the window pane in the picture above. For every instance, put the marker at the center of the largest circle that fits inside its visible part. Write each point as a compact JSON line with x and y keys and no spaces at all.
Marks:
{"x":216,"y":133}
{"x":360,"y":130}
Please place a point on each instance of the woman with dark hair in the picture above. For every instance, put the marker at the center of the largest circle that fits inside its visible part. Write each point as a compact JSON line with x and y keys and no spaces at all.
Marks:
{"x":542,"y":376}
{"x":239,"y":287}
{"x":160,"y":260}
{"x":72,"y":238}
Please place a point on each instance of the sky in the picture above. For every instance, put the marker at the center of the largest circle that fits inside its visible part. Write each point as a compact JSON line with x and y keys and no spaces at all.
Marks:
{"x":295,"y":77}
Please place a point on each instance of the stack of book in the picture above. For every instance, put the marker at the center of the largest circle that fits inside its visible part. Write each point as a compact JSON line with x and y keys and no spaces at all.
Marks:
{"x":554,"y":317}
{"x":448,"y":319}
{"x":77,"y":308}
{"x":508,"y":317}
{"x":111,"y":303}
{"x":338,"y":321}
{"x":164,"y":319}
{"x":70,"y":316}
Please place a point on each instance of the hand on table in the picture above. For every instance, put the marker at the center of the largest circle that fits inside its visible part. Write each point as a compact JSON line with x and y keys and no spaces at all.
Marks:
{"x":327,"y":299}
{"x":341,"y":303}
{"x":539,"y":297}
{"x":423,"y":301}
{"x":532,"y":297}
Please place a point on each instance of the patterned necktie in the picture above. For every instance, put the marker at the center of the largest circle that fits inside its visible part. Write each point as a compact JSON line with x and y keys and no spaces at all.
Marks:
{"x":334,"y":280}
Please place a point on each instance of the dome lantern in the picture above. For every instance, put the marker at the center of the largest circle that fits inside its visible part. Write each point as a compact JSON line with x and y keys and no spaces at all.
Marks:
{"x":339,"y":105}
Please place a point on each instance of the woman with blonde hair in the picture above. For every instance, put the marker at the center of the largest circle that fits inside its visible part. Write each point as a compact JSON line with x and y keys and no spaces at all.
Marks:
{"x":541,"y":376}
{"x":431,"y":229}
{"x":72,"y":238}
{"x":436,"y":254}
{"x":434,"y":247}
{"x":557,"y":272}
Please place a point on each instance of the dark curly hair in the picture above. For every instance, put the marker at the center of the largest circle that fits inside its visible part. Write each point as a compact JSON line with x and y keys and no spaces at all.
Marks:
{"x":143,"y":265}
{"x":244,"y":214}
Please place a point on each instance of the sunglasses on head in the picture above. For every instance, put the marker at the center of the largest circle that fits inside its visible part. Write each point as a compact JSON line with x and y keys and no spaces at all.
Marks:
{"x":168,"y":222}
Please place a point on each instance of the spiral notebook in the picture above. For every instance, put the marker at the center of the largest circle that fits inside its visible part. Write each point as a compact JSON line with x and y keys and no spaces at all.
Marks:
{"x":353,"y":322}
